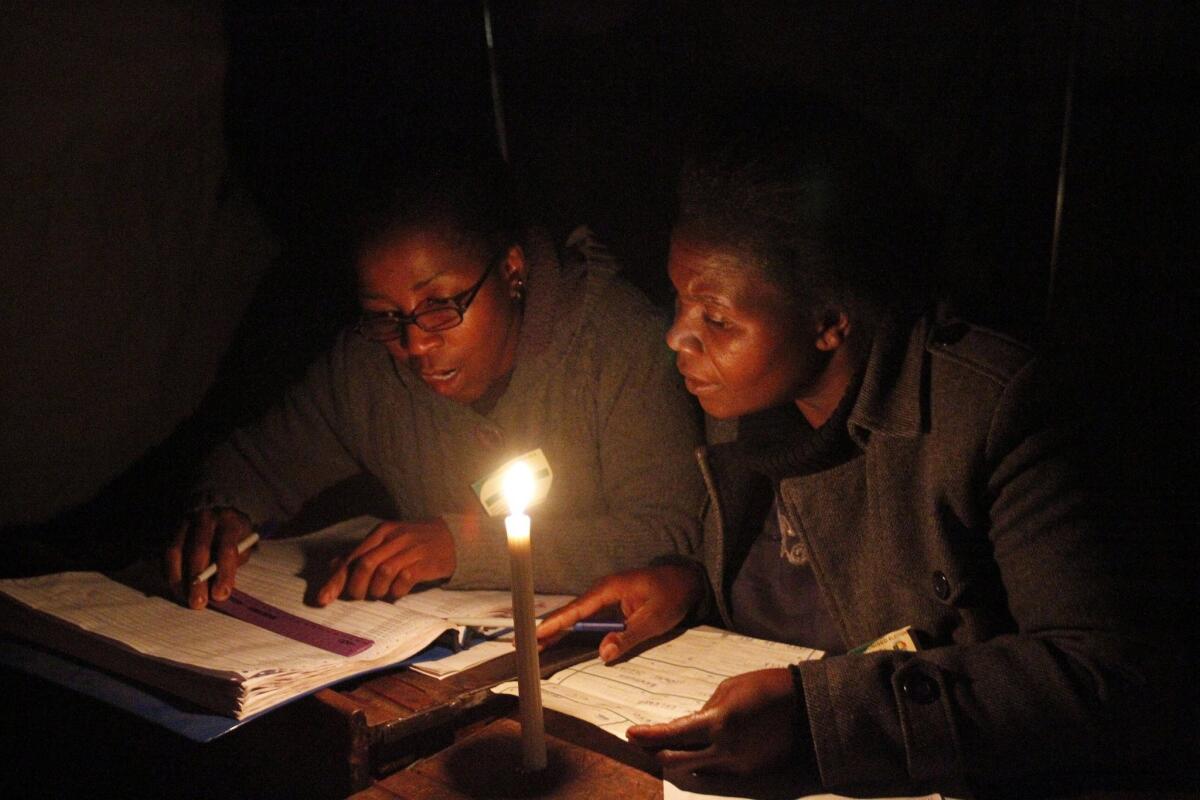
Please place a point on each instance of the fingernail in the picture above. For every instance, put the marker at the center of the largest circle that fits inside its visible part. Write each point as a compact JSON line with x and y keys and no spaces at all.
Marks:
{"x":220,"y":593}
{"x":608,"y":652}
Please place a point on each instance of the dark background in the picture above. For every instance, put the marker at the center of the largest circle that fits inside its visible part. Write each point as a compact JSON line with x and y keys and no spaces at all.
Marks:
{"x":109,"y":108}
{"x":312,"y":98}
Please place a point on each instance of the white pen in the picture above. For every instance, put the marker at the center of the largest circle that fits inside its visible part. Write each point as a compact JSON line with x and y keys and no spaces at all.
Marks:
{"x":211,"y":569}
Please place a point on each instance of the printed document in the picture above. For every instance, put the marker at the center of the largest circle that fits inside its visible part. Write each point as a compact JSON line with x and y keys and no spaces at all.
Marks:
{"x":126,"y":624}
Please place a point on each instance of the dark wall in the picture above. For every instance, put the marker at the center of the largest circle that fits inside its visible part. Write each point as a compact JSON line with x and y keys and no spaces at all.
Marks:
{"x":596,"y":97}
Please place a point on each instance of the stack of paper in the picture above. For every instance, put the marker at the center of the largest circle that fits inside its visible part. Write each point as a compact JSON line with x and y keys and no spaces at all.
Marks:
{"x":126,"y":624}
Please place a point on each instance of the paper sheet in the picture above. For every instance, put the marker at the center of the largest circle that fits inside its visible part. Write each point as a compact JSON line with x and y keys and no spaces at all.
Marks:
{"x":662,"y":683}
{"x":666,"y":682}
{"x":673,"y":792}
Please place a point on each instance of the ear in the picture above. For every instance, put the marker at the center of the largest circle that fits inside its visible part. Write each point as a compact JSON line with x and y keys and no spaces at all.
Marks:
{"x":514,"y":267}
{"x":832,"y":331}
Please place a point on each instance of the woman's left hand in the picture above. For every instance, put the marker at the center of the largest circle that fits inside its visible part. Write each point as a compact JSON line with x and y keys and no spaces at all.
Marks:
{"x":391,"y":560}
{"x":748,"y":724}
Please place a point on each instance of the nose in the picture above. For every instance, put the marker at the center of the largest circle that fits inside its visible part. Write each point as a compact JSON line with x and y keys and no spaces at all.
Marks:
{"x":419,"y":342}
{"x":680,"y":336}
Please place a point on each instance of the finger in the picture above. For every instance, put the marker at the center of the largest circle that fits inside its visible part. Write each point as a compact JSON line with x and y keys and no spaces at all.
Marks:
{"x":199,"y":556}
{"x":640,"y":625}
{"x":332,"y":589}
{"x":362,"y":569}
{"x":688,"y":732}
{"x":558,"y":623}
{"x":413,"y":568}
{"x":336,"y":582}
{"x":231,"y":529}
{"x":388,"y":571}
{"x":708,"y":759}
{"x":173,"y":561}
{"x":406,"y":579}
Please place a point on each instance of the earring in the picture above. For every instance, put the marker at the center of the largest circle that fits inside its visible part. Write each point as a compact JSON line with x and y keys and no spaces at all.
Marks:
{"x":518,"y":291}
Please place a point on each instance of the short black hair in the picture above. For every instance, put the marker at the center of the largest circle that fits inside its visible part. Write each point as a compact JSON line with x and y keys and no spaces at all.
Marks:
{"x":465,"y":195}
{"x":819,"y":199}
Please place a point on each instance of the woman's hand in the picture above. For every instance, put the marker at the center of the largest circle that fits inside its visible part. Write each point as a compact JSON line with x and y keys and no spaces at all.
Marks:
{"x":748,"y":724}
{"x":653,"y":600}
{"x":205,"y":536}
{"x":391,"y":560}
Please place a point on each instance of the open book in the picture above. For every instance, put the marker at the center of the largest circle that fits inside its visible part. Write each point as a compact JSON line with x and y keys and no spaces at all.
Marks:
{"x":126,"y":624}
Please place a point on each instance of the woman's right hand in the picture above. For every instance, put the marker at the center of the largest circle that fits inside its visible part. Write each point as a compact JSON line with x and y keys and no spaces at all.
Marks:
{"x":653,"y":599}
{"x":202,"y":537}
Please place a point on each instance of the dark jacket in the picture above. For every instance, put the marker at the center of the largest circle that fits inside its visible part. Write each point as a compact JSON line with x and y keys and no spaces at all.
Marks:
{"x":964,"y":517}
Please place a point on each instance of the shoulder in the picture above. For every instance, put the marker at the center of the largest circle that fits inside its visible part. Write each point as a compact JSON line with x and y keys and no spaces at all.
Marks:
{"x":610,"y":304}
{"x":352,"y":353}
{"x":994,"y":381}
{"x":359,"y":373}
{"x":618,"y":301}
{"x":961,"y":345}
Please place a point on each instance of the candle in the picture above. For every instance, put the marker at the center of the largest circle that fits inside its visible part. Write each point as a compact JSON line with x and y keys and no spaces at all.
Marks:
{"x":518,"y":491}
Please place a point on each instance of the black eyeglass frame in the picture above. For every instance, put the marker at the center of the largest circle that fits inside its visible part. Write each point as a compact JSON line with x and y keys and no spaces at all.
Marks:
{"x":458,"y":303}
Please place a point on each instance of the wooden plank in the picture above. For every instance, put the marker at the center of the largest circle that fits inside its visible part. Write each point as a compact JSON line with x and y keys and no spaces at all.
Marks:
{"x":398,"y":704}
{"x":487,"y":764}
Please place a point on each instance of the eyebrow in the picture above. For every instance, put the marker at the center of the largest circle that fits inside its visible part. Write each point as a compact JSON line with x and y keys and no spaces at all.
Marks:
{"x":704,"y":298}
{"x":421,"y":284}
{"x":416,"y":287}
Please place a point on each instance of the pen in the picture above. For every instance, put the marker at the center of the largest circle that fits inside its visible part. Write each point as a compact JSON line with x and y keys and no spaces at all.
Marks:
{"x":211,"y":569}
{"x":504,"y":622}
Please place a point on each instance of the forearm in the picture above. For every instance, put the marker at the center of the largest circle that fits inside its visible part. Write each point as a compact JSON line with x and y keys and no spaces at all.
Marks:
{"x":269,"y":469}
{"x":264,"y":484}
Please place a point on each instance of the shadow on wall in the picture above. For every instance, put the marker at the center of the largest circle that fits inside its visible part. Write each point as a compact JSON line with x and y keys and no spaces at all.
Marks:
{"x":130,"y":255}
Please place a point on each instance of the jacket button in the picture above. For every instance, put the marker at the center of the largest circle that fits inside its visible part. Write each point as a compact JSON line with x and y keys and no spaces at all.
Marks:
{"x":941,"y":585}
{"x":920,"y":688}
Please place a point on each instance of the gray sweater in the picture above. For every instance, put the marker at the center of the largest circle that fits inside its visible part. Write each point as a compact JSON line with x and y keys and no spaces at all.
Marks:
{"x":594,"y":387}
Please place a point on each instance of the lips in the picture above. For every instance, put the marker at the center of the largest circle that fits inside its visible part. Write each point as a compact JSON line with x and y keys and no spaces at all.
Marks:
{"x":698,"y":386}
{"x":438,"y":376}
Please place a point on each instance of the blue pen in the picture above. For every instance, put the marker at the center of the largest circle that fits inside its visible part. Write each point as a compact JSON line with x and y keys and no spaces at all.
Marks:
{"x":585,"y":626}
{"x":598,"y":627}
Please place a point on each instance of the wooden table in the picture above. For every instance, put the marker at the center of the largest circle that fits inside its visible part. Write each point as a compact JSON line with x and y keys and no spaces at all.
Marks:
{"x":396,"y":734}
{"x":487,"y":764}
{"x":383,"y":724}
{"x":406,"y":735}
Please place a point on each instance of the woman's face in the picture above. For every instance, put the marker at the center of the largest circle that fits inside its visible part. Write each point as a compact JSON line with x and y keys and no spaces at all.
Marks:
{"x":739,"y":342}
{"x":416,"y":269}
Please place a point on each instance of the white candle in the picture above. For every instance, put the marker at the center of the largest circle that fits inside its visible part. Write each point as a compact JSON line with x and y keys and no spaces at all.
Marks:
{"x":518,"y":489}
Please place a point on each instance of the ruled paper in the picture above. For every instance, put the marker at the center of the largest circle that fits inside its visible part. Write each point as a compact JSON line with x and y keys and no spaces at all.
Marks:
{"x":664,"y":682}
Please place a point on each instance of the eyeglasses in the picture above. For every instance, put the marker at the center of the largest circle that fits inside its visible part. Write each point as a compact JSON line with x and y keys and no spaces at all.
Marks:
{"x":438,"y":314}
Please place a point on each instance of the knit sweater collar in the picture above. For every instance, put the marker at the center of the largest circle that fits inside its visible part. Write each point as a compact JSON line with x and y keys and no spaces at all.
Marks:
{"x":779,"y":442}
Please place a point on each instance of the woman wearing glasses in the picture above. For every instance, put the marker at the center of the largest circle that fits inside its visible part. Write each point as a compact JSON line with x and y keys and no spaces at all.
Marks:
{"x":477,"y":342}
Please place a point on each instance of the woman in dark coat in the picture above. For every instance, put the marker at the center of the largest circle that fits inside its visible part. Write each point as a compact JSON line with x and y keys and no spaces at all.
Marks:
{"x":874,"y":464}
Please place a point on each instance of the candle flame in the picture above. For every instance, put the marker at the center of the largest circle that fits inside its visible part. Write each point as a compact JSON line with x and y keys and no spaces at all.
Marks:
{"x":518,"y":487}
